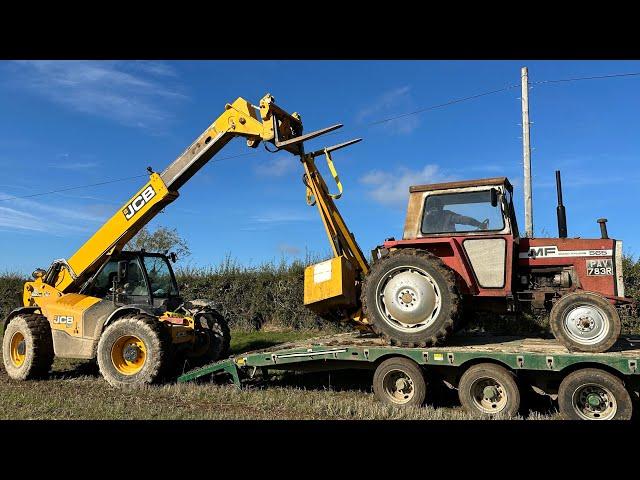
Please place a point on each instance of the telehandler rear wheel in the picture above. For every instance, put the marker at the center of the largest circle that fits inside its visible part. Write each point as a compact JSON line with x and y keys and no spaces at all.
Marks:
{"x":410,"y":298}
{"x":27,"y":347}
{"x":133,"y":351}
{"x":585,"y":322}
{"x":213,"y":339}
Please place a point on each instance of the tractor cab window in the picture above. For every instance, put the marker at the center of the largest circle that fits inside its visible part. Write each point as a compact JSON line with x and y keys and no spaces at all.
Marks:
{"x":160,"y":278}
{"x":134,"y":285}
{"x":461,"y":212}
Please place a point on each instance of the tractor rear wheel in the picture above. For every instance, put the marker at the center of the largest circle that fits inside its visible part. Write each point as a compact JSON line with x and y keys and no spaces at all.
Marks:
{"x":585,"y":322}
{"x":133,"y":351}
{"x":593,"y":394}
{"x":213,"y":339}
{"x":410,"y":298}
{"x":27,"y":347}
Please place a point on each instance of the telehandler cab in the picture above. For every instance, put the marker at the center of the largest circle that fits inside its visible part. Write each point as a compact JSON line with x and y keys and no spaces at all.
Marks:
{"x":124,"y":308}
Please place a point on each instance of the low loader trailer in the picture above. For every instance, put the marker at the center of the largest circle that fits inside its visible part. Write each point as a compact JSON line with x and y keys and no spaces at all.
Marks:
{"x":490,"y":373}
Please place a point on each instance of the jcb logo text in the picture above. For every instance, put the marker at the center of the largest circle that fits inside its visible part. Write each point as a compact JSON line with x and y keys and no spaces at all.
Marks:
{"x":139,"y":202}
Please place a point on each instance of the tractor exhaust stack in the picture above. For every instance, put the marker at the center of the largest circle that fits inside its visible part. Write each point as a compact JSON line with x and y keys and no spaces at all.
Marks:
{"x":562,"y":214}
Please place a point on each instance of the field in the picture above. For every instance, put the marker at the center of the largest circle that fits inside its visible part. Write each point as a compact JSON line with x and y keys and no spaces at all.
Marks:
{"x":76,"y":391}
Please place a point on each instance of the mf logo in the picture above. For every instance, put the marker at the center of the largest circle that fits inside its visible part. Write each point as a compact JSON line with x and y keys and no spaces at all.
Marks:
{"x":139,"y":202}
{"x":66,"y":320}
{"x":542,"y":252}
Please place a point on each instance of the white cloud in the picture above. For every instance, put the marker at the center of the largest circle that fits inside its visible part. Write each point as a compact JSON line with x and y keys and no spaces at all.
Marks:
{"x":278,"y":166}
{"x":392,"y":188}
{"x":75,"y":165}
{"x":282,"y":217}
{"x":30,"y":215}
{"x":276,"y":219}
{"x":390,"y":104}
{"x":125,"y":92}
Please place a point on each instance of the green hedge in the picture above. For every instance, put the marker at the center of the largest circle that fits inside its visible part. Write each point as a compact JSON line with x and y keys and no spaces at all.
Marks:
{"x":271,"y":295}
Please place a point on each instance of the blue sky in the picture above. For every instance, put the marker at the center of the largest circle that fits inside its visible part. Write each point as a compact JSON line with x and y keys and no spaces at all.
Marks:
{"x":75,"y":123}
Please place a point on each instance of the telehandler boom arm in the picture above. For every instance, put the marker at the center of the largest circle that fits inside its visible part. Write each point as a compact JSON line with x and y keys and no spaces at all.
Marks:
{"x":240,"y":118}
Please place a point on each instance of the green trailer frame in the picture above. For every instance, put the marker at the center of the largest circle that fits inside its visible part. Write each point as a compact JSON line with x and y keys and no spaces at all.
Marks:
{"x":353,"y":350}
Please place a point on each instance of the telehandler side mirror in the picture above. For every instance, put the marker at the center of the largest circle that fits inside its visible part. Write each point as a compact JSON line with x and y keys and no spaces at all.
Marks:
{"x":494,"y":197}
{"x":123,"y":270}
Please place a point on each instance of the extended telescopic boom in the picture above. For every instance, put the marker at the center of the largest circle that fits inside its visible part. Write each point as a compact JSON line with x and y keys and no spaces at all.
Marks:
{"x":266,"y":123}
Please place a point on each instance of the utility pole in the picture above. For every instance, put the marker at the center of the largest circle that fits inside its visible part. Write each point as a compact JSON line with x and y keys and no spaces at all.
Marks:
{"x":526,"y":149}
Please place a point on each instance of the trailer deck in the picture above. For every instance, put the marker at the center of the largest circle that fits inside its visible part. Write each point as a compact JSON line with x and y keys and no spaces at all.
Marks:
{"x":355,"y":350}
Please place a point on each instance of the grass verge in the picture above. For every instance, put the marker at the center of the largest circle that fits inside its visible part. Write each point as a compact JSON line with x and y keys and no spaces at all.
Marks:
{"x":76,"y":391}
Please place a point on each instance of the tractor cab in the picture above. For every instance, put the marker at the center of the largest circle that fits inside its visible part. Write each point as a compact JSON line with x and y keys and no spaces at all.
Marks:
{"x":136,"y":277}
{"x":471,"y":226}
{"x":474,"y":207}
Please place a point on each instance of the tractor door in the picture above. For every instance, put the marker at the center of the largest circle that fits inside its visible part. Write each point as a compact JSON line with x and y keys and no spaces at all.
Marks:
{"x":477,"y":219}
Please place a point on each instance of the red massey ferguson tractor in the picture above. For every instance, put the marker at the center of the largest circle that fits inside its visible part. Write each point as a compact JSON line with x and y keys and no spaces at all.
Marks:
{"x":461,"y":250}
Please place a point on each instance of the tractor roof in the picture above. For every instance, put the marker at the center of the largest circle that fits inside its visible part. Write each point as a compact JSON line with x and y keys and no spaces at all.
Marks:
{"x":462,"y":184}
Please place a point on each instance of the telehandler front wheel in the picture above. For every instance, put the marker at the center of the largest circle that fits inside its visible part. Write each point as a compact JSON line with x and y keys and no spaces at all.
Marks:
{"x":27,"y":347}
{"x":133,"y":351}
{"x":585,"y":322}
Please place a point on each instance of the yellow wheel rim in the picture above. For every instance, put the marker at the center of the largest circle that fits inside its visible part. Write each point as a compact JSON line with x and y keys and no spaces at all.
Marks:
{"x":18,"y":349}
{"x":128,"y":354}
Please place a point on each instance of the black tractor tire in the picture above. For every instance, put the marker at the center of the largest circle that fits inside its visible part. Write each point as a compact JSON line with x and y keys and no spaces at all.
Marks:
{"x":400,"y":382}
{"x":611,"y":400}
{"x":213,"y":327}
{"x":450,"y":302}
{"x":27,"y":347}
{"x":504,"y":399}
{"x":156,"y":360}
{"x":566,"y":304}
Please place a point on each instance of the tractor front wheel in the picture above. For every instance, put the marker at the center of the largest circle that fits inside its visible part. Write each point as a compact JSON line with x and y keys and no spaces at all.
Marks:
{"x":585,"y":322}
{"x":134,"y":351}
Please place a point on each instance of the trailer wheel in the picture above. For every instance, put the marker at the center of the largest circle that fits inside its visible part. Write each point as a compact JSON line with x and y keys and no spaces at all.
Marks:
{"x":27,"y":347}
{"x":410,"y":298}
{"x":593,"y":394}
{"x":133,"y":351}
{"x":399,"y":381}
{"x":489,"y":389}
{"x":585,"y":322}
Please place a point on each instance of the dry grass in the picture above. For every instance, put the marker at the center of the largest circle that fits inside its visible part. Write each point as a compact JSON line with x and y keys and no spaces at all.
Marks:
{"x":76,"y":391}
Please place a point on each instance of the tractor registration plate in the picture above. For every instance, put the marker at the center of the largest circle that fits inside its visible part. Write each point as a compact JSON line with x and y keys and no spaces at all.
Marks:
{"x":600,"y":267}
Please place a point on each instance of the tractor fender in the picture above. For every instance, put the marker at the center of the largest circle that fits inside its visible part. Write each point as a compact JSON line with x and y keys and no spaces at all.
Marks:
{"x":135,"y":309}
{"x":17,"y":311}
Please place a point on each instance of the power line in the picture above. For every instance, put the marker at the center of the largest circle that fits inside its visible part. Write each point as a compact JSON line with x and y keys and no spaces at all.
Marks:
{"x":106,"y":182}
{"x":575,"y":79}
{"x":66,"y":189}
